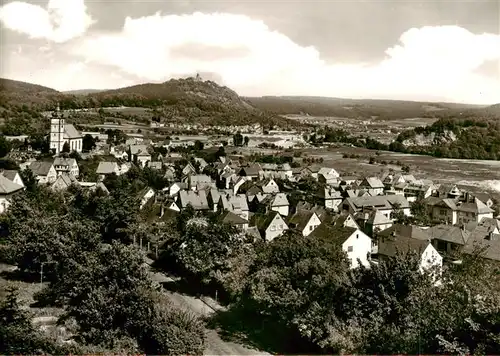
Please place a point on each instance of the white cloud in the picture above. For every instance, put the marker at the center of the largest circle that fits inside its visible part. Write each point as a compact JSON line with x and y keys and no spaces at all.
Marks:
{"x":428,"y":63}
{"x":61,"y":21}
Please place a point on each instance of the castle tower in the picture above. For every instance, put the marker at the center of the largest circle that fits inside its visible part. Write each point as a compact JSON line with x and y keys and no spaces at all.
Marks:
{"x":57,"y":131}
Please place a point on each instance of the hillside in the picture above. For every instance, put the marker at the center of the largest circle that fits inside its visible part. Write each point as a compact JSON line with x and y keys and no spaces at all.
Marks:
{"x":175,"y":101}
{"x":13,"y":92}
{"x":357,"y":108}
{"x":83,"y":91}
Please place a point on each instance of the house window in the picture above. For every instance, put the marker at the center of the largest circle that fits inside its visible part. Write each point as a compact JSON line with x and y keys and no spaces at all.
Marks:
{"x":281,"y":226}
{"x":273,"y":227}
{"x":311,"y":227}
{"x":442,"y":212}
{"x":349,"y":249}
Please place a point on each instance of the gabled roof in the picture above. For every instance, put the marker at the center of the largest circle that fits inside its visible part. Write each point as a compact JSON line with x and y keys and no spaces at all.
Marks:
{"x":10,"y":174}
{"x":252,"y":170}
{"x":337,"y":234}
{"x":390,"y":246}
{"x":377,"y":218}
{"x":7,"y":186}
{"x":300,"y":219}
{"x":135,"y":149}
{"x":64,"y":161}
{"x":198,"y":200}
{"x":107,"y":168}
{"x":262,"y":221}
{"x":280,"y":199}
{"x":70,"y":132}
{"x":342,"y":218}
{"x":407,"y":231}
{"x":41,"y":168}
{"x":489,"y":248}
{"x":372,"y":182}
{"x":477,"y":207}
{"x":231,"y":218}
{"x":449,"y":233}
{"x":66,"y":179}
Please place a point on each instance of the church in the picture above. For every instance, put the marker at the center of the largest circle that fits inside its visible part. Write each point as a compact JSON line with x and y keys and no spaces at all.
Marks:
{"x":60,"y":133}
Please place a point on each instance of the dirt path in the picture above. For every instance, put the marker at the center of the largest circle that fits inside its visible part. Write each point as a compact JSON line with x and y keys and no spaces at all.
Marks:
{"x":203,"y":308}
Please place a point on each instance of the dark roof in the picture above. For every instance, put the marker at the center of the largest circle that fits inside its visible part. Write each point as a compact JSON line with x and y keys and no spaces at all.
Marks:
{"x":232,"y":219}
{"x":489,"y":248}
{"x":10,"y":174}
{"x":252,"y":170}
{"x":262,"y":221}
{"x":449,"y":233}
{"x":336,"y":234}
{"x":40,"y":168}
{"x":300,"y":219}
{"x":390,"y":246}
{"x":407,"y":231}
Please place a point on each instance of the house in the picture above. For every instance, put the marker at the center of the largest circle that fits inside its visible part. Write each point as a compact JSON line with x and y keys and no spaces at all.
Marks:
{"x":251,"y":172}
{"x":448,"y":239}
{"x":198,"y":181}
{"x":483,"y":197}
{"x":202,"y":163}
{"x":448,"y":191}
{"x":176,"y":188}
{"x":406,"y":231}
{"x":387,"y":204}
{"x":99,"y":189}
{"x":275,"y":202}
{"x":413,"y":191}
{"x":442,"y":209}
{"x":304,"y":221}
{"x":348,"y":180}
{"x":376,"y":222}
{"x":344,"y":219}
{"x":232,"y":219}
{"x":134,"y":149}
{"x":355,"y":243}
{"x":330,"y":198}
{"x":234,"y":203}
{"x":62,"y":133}
{"x":325,"y":171}
{"x":171,"y":205}
{"x":188,"y":170}
{"x":429,"y":256}
{"x":475,"y":211}
{"x":64,"y":181}
{"x":268,"y":186}
{"x":169,"y":173}
{"x":142,"y":158}
{"x":44,"y":172}
{"x":7,"y":190}
{"x":198,"y":200}
{"x":13,"y":176}
{"x":328,"y":179}
{"x":269,"y":225}
{"x":489,"y":248}
{"x":373,"y":185}
{"x":106,"y":168}
{"x":158,"y":165}
{"x":145,"y":196}
{"x":309,"y":172}
{"x":66,"y":165}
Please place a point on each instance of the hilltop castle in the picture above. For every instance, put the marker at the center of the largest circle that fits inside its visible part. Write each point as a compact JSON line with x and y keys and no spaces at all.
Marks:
{"x":60,"y":133}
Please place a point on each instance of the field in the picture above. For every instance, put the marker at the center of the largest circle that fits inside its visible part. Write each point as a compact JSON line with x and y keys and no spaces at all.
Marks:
{"x":383,"y":130}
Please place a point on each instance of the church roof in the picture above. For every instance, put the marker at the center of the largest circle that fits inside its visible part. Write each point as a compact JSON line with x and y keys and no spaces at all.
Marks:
{"x":70,"y":132}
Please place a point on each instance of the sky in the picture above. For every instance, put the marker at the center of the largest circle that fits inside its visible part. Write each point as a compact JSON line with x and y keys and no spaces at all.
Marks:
{"x":435,"y":50}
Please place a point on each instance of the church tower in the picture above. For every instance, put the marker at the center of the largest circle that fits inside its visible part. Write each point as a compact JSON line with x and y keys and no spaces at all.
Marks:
{"x":57,"y":131}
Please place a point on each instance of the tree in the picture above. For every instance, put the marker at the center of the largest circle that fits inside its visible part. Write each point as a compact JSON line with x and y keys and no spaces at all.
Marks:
{"x":18,"y":336}
{"x":238,"y":139}
{"x":5,"y":146}
{"x":198,"y":145}
{"x":246,"y":140}
{"x":88,"y":143}
{"x":66,"y":148}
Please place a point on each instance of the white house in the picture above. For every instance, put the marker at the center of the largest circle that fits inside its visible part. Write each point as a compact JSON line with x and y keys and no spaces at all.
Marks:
{"x":146,"y":195}
{"x":270,"y":225}
{"x":269,"y":186}
{"x":325,"y":171}
{"x":304,"y":221}
{"x":7,"y":190}
{"x":355,"y":243}
{"x":388,"y":247}
{"x":43,"y":171}
{"x":66,"y":165}
{"x":107,"y":168}
{"x":279,"y":203}
{"x":13,"y":176}
{"x":373,"y":185}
